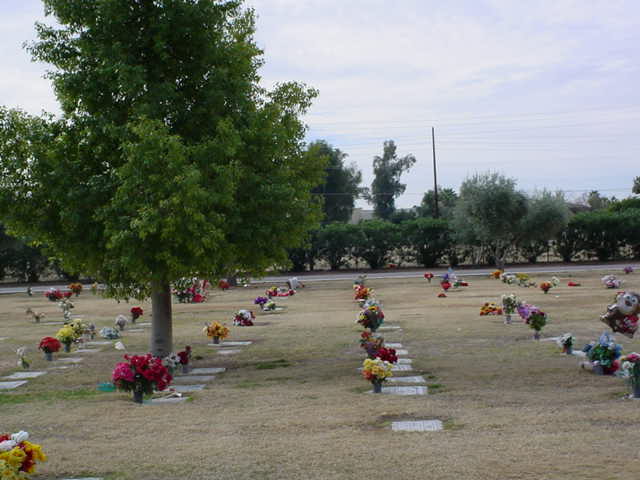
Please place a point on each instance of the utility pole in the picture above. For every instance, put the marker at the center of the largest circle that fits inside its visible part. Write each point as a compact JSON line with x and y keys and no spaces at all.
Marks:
{"x":435,"y":174}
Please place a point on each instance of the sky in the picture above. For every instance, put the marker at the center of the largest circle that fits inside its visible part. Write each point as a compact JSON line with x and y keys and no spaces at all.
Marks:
{"x":545,"y":92}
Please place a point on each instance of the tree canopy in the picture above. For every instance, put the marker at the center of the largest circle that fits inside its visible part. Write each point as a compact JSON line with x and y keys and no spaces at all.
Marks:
{"x":447,"y":199}
{"x":169,"y":159}
{"x":386,"y":185}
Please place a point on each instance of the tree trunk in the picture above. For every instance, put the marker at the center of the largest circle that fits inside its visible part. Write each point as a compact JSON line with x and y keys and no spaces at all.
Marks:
{"x":232,"y":280}
{"x":161,"y":330}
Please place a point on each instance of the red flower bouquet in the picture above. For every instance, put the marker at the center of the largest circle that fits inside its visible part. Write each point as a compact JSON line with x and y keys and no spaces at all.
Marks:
{"x":387,"y":355}
{"x":136,"y":313}
{"x":442,"y":295}
{"x":185,"y":355}
{"x":223,"y":285}
{"x":244,"y":318}
{"x":573,"y":284}
{"x":50,"y":345}
{"x":53,"y":294}
{"x":141,"y":374}
{"x":428,"y":276}
{"x":445,"y":285}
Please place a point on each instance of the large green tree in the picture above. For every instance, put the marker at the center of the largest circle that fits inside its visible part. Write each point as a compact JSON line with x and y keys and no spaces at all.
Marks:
{"x":447,"y":199}
{"x":169,"y":159}
{"x":341,"y":186}
{"x":386,"y":185}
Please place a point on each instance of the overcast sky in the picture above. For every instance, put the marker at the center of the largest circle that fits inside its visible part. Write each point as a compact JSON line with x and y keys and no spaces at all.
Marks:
{"x":542,"y":91}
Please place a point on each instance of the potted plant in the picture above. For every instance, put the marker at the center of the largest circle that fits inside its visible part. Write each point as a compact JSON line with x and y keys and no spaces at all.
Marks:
{"x":631,"y":369}
{"x":216,"y":331}
{"x":537,"y":320}
{"x":49,"y":346}
{"x":376,"y":371}
{"x":141,"y":374}
{"x":185,"y":359}
{"x":566,"y":343}
{"x":67,"y":336}
{"x":136,"y":313}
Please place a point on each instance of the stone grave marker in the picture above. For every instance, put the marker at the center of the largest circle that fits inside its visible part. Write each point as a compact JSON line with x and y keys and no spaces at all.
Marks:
{"x":229,"y":351}
{"x":401,"y":351}
{"x":417,"y":426}
{"x":405,"y":361}
{"x":189,"y":379}
{"x":162,"y":401}
{"x":143,"y":324}
{"x":391,"y":327}
{"x":404,"y":390}
{"x":134,"y":330}
{"x":87,"y":350}
{"x":70,"y":360}
{"x":230,"y":344}
{"x":415,"y":379}
{"x":392,"y":345}
{"x":579,"y":353}
{"x":23,"y":375}
{"x":50,"y":323}
{"x":189,"y":388}
{"x":11,"y":385}
{"x":100,"y":342}
{"x":401,"y":368}
{"x":207,"y":371}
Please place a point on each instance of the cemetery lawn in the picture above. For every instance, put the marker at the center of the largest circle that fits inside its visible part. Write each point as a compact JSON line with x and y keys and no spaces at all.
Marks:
{"x":293,"y":406}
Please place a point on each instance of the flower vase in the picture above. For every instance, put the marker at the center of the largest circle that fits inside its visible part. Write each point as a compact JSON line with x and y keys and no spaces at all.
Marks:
{"x":635,"y":389}
{"x":133,"y":319}
{"x":568,"y":350}
{"x":185,"y":368}
{"x":216,"y":340}
{"x":598,"y":370}
{"x":377,"y":386}
{"x":507,"y":319}
{"x":536,"y":335}
{"x":67,"y":347}
{"x":48,"y":356}
{"x":137,"y":396}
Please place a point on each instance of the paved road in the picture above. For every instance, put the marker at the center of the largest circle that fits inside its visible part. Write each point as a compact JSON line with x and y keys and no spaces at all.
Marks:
{"x":332,"y":277}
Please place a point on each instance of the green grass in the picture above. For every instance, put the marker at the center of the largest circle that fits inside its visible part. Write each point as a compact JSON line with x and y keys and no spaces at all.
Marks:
{"x":269,"y":365}
{"x":51,"y":396}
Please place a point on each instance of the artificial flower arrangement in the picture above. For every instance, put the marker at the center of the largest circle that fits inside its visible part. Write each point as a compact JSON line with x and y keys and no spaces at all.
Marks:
{"x":53,"y":294}
{"x":66,"y":306}
{"x":534,"y":317}
{"x":216,"y":331}
{"x":496,"y":274}
{"x":266,"y":304}
{"x":546,"y":286}
{"x":190,"y":290}
{"x":571,"y":283}
{"x":628,"y":270}
{"x":387,"y":355}
{"x":376,"y":371}
{"x":49,"y":346}
{"x":509,"y":305}
{"x":442,"y":295}
{"x":171,"y":362}
{"x":260,"y":301}
{"x":362,"y":293}
{"x":109,"y":333}
{"x":279,"y":292}
{"x":185,"y":359}
{"x":271,"y":292}
{"x":604,"y":354}
{"x":67,"y":336}
{"x":610,"y":281}
{"x":371,"y":343}
{"x":630,"y":365}
{"x":18,"y":456}
{"x":224,"y":285}
{"x":80,"y":328}
{"x":490,"y":308}
{"x":371,"y":317}
{"x":508,"y":278}
{"x":22,"y":361}
{"x":37,"y":316}
{"x":136,"y":313}
{"x":94,"y":288}
{"x":141,"y":374}
{"x":524,"y":280}
{"x":429,"y":276}
{"x":244,"y":318}
{"x":121,"y":322}
{"x":75,"y":288}
{"x":566,"y":343}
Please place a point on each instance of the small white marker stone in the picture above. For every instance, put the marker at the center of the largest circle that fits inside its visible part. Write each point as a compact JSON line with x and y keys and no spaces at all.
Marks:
{"x":549,"y":339}
{"x":11,"y":385}
{"x":405,"y":390}
{"x":230,"y":344}
{"x":229,"y":351}
{"x":579,"y":353}
{"x":23,"y":375}
{"x":416,"y":379}
{"x":70,"y":360}
{"x":134,"y":330}
{"x":417,"y":426}
{"x":144,"y":324}
{"x":391,"y":327}
{"x":207,"y":371}
{"x":189,"y":388}
{"x":100,"y":342}
{"x":161,"y":401}
{"x":392,"y":345}
{"x":188,"y":379}
{"x":405,"y":361}
{"x":401,"y":351}
{"x":401,"y":368}
{"x":59,"y":368}
{"x":51,"y":323}
{"x":87,"y":350}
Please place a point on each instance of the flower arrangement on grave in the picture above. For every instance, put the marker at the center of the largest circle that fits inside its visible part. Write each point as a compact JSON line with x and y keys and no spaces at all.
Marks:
{"x":22,"y":361}
{"x":603,"y":354}
{"x":244,"y":318}
{"x":566,"y":342}
{"x":270,"y":306}
{"x":37,"y":316}
{"x":622,"y":315}
{"x":224,"y":285}
{"x":442,"y":295}
{"x":524,"y":280}
{"x":294,"y":284}
{"x":271,"y":292}
{"x":371,"y":317}
{"x":446,"y":285}
{"x":66,"y":306}
{"x":18,"y":456}
{"x":628,"y":269}
{"x":185,"y":359}
{"x":630,"y":365}
{"x":387,"y":355}
{"x":428,"y":276}
{"x":362,"y":293}
{"x":571,"y":283}
{"x":53,"y":294}
{"x":496,"y":274}
{"x":371,"y":343}
{"x":67,"y":336}
{"x":546,"y":286}
{"x":610,"y":281}
{"x":216,"y":331}
{"x":376,"y":371}
{"x":508,"y":278}
{"x":109,"y":333}
{"x":190,"y":290}
{"x":533,"y":316}
{"x":75,"y":288}
{"x":94,"y":288}
{"x":141,"y":374}
{"x":121,"y":322}
{"x":49,"y":346}
{"x":136,"y":313}
{"x":80,"y":328}
{"x":171,"y":362}
{"x":509,"y":306}
{"x":490,"y":308}
{"x":260,"y":301}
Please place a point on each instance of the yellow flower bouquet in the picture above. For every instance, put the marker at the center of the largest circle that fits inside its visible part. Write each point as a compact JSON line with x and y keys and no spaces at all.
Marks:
{"x":67,"y":335}
{"x":376,"y":371}
{"x":18,"y":456}
{"x":216,"y":331}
